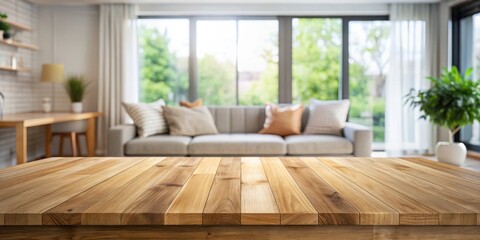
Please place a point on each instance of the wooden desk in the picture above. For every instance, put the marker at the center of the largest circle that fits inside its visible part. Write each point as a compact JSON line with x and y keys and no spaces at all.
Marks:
{"x":22,"y":121}
{"x":239,"y":198}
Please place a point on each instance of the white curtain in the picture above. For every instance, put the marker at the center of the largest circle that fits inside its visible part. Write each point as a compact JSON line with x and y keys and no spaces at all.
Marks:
{"x":118,"y":65}
{"x":414,"y":56}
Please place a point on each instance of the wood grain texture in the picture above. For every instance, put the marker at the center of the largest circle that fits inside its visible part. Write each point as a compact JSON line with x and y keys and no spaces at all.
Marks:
{"x":331,"y":206}
{"x":372,"y":211}
{"x":69,"y":212}
{"x":258,"y":203}
{"x":294,"y":206}
{"x":187,"y":207}
{"x":411,"y":211}
{"x":233,"y":191}
{"x":242,"y":232}
{"x":418,"y":189}
{"x":223,"y":204}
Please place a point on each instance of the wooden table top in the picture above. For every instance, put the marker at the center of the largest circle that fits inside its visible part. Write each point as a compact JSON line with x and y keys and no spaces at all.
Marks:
{"x":39,"y":118}
{"x":239,"y":191}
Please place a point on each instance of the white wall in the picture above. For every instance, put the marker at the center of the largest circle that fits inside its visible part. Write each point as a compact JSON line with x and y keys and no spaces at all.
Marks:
{"x":70,"y":36}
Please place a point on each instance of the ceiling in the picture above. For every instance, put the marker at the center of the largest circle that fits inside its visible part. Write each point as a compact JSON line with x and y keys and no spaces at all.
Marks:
{"x":89,"y":2}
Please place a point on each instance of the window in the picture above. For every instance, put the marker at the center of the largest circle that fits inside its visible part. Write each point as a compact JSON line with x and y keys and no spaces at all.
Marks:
{"x":216,"y":61}
{"x":316,"y":58}
{"x":368,"y":68}
{"x":163,"y":59}
{"x":257,"y":61}
{"x":237,"y":61}
{"x":467,"y":55}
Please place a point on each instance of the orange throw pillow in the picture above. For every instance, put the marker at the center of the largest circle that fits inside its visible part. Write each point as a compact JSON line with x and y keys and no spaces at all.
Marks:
{"x":283,"y":121}
{"x":196,"y":103}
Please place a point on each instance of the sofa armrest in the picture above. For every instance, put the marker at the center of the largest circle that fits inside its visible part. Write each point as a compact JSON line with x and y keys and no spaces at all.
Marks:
{"x":361,"y":136}
{"x":117,"y":137}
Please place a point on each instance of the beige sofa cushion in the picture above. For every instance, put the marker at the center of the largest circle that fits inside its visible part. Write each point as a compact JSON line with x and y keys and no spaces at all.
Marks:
{"x":318,"y":145}
{"x":189,"y":121}
{"x":158,"y":145}
{"x":237,"y":144}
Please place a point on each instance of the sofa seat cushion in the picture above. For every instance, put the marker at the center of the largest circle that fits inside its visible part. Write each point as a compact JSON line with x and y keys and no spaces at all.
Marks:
{"x":318,"y":145}
{"x":237,"y":145}
{"x":158,"y":145}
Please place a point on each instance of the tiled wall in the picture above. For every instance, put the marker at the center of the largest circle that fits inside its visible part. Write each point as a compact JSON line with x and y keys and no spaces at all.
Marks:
{"x":22,"y":90}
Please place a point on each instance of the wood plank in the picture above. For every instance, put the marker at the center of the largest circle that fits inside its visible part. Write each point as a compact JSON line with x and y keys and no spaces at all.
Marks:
{"x":25,"y":193}
{"x":372,"y":211}
{"x":294,"y":206}
{"x":190,"y":232}
{"x":223,"y":203}
{"x":331,"y":206}
{"x":450,"y":182}
{"x":69,"y":212}
{"x":427,"y":232}
{"x":36,"y":170}
{"x":149,"y":208}
{"x":108,"y":211}
{"x":467,"y":173}
{"x":416,"y":188}
{"x":258,"y":206}
{"x":39,"y":182}
{"x":433,"y":175}
{"x":31,"y":213}
{"x":411,"y":211}
{"x":187,"y":207}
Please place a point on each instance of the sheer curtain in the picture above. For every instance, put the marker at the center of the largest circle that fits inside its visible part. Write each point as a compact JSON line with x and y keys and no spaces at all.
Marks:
{"x":415,"y":51}
{"x":118,"y":66}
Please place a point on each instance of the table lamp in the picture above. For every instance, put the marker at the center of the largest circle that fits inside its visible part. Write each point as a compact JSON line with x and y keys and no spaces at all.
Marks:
{"x":52,"y":73}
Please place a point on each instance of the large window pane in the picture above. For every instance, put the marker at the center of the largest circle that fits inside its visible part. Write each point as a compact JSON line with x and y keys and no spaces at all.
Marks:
{"x":257,"y":61}
{"x":470,"y":57}
{"x":163,"y":59}
{"x":316,"y":58}
{"x":216,"y":61}
{"x":368,"y":68}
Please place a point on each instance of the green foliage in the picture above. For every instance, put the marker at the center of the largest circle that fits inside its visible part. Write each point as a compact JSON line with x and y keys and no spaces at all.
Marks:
{"x":216,"y":84}
{"x":316,"y":57}
{"x":75,"y":86}
{"x":453,"y":101}
{"x":4,"y":26}
{"x":159,"y":75}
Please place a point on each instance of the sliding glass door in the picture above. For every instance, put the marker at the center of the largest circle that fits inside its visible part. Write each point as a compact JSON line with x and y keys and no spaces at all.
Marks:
{"x":467,"y":55}
{"x":369,"y":55}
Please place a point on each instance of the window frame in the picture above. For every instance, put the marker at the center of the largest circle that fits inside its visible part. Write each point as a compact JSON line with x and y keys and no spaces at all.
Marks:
{"x":459,"y":12}
{"x":284,"y":47}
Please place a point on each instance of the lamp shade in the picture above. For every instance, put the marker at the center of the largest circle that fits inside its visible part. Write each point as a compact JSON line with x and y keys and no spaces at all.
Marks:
{"x":52,"y":73}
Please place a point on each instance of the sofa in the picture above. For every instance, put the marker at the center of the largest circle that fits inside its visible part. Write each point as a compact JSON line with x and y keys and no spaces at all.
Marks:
{"x":238,"y":127}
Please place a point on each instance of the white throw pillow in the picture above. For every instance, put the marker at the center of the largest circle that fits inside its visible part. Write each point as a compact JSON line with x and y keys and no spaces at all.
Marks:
{"x":147,"y":117}
{"x":327,"y":117}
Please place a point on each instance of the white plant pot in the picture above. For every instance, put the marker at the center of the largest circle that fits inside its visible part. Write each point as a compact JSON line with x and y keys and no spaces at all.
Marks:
{"x":77,"y":107}
{"x":47,"y":107}
{"x":451,"y":153}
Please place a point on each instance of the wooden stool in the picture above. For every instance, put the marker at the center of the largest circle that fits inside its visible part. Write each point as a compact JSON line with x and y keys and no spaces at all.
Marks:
{"x":74,"y":140}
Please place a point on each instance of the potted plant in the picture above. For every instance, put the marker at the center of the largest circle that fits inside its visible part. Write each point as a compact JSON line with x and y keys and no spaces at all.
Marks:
{"x":452,"y":102}
{"x":75,"y":86}
{"x":4,"y":27}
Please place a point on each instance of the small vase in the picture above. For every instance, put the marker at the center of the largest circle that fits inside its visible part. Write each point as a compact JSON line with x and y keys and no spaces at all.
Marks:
{"x":451,"y":153}
{"x":77,"y":107}
{"x":47,"y":107}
